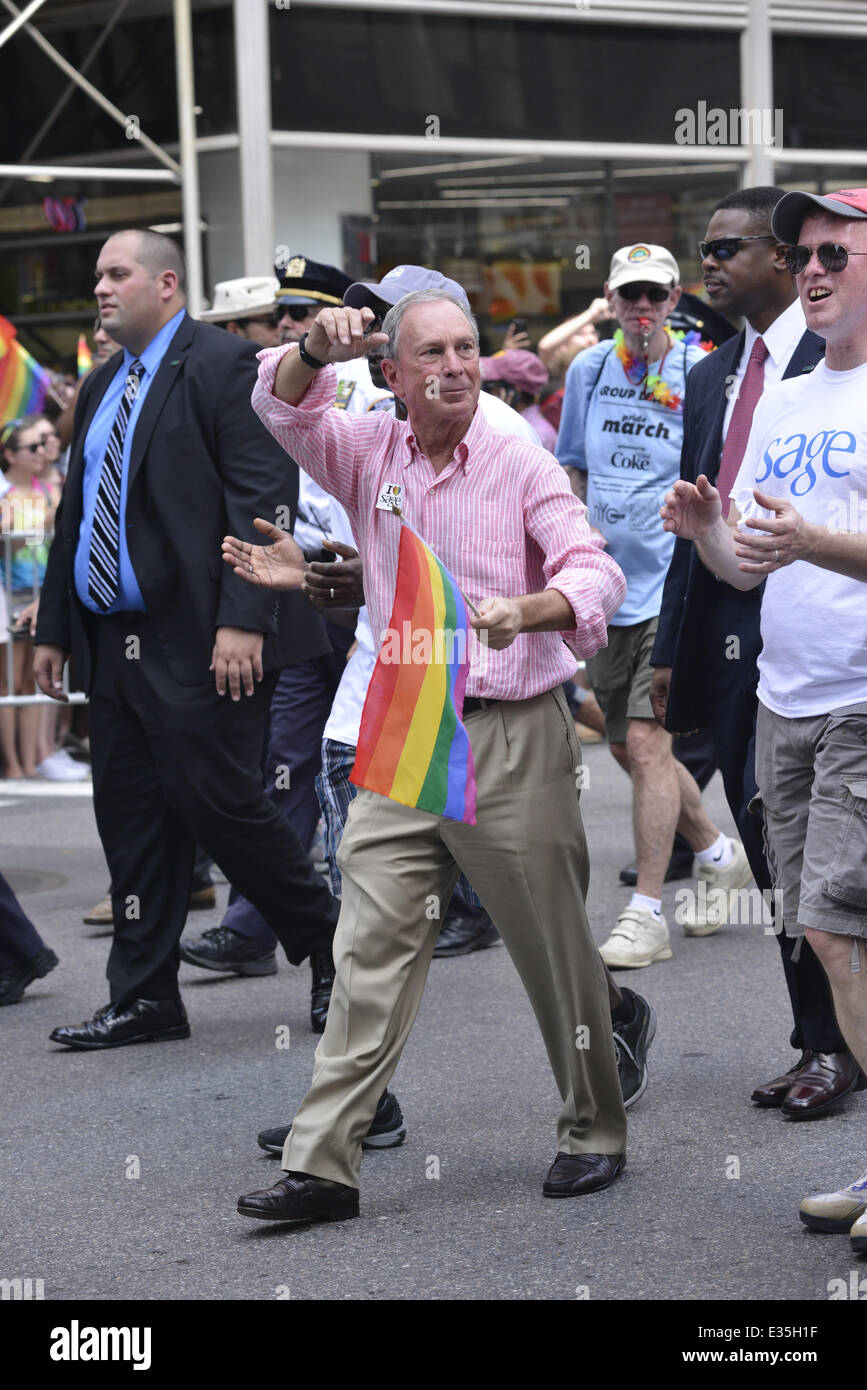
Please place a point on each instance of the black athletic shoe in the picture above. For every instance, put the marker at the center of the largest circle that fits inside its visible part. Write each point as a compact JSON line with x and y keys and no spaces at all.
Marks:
{"x":16,"y":978}
{"x":387,"y":1131}
{"x":631,"y":1041}
{"x":221,"y":948}
{"x":679,"y":866}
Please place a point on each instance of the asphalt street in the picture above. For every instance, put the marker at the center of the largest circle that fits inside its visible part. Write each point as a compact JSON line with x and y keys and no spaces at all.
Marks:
{"x":120,"y":1170}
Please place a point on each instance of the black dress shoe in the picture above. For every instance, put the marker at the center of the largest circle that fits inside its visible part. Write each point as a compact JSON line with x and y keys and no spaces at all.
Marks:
{"x":571,"y":1175}
{"x":459,"y":935}
{"x":221,"y":948}
{"x":299,"y":1199}
{"x":387,"y":1129}
{"x":15,"y":979}
{"x":144,"y":1020}
{"x":321,"y":985}
{"x":679,"y":866}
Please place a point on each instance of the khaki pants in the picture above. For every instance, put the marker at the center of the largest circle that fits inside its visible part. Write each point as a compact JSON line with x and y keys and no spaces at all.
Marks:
{"x":527,"y":859}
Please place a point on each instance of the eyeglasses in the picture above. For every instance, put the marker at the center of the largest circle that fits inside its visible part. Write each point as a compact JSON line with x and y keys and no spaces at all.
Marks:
{"x":297,"y":312}
{"x":722,"y":248}
{"x":831,"y":257}
{"x":29,"y":448}
{"x":655,"y":293}
{"x":271,"y":319}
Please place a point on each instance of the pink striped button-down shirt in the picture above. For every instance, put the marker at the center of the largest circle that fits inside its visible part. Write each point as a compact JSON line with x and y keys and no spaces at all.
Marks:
{"x":500,"y":516}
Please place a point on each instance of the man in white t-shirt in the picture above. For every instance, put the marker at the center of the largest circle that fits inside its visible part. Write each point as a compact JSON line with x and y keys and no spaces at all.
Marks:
{"x":799,"y":516}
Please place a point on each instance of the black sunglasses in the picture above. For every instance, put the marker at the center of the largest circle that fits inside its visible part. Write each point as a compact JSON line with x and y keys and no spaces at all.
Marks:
{"x":297,"y":312}
{"x":271,"y":319}
{"x":29,"y":448}
{"x":831,"y":257}
{"x":655,"y":293}
{"x":722,"y":248}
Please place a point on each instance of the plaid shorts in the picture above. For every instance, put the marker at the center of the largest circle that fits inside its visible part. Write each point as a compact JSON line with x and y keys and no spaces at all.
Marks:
{"x":336,"y":793}
{"x":812,"y":780}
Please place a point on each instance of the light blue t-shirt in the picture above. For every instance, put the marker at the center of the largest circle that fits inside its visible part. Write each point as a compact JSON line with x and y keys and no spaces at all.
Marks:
{"x":630,"y":450}
{"x":129,"y":596}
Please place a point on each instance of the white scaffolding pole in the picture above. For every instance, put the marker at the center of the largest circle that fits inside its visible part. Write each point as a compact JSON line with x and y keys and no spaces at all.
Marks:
{"x":253,"y":81}
{"x":189,"y":158}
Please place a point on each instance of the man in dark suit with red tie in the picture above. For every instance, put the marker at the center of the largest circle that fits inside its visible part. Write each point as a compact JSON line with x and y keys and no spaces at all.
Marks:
{"x":178,"y":657}
{"x":708,"y":638}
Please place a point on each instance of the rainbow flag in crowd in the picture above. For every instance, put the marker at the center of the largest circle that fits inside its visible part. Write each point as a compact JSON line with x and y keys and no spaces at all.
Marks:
{"x":23,"y":383}
{"x":83,"y":356}
{"x":412,"y":745}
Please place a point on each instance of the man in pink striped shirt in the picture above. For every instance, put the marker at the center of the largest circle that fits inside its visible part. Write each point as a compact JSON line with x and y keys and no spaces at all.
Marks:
{"x":500,"y":515}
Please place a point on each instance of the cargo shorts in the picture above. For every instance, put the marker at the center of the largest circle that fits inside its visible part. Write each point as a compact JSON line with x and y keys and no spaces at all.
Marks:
{"x":812,"y":779}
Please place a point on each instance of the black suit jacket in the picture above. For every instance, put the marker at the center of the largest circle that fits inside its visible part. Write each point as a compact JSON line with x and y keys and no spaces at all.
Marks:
{"x":202,"y":466}
{"x":691,"y":592}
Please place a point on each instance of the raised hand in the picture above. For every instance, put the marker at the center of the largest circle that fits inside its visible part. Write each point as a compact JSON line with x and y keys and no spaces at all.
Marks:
{"x":691,"y":510}
{"x":280,"y":565}
{"x":338,"y":334}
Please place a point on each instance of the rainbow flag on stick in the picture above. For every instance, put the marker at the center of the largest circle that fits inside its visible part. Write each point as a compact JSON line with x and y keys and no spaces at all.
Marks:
{"x":24,"y":385}
{"x":412,"y":745}
{"x":83,"y":356}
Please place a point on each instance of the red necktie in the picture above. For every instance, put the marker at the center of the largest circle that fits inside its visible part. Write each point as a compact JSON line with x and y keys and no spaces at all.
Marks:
{"x":749,"y":395}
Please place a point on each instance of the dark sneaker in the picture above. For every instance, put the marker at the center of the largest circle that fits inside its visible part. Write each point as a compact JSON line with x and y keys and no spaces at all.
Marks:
{"x":631,"y":1041}
{"x":16,"y":978}
{"x":299,"y":1199}
{"x":221,"y":948}
{"x":387,"y":1131}
{"x":679,"y":866}
{"x":461,"y":935}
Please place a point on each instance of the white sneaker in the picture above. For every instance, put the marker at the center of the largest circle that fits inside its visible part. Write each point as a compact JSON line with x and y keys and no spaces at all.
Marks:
{"x":858,"y":1235}
{"x":60,"y":767}
{"x":716,"y":899}
{"x":638,"y":939}
{"x":834,"y":1212}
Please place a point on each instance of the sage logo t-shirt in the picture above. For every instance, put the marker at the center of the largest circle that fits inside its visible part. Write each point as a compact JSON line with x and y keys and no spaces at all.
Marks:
{"x":808,"y":445}
{"x":630,"y":449}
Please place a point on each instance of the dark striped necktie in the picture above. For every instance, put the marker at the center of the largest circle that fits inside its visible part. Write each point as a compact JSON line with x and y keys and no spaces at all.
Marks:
{"x":104,"y":566}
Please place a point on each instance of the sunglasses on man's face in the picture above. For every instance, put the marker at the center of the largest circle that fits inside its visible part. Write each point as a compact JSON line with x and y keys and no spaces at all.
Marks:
{"x":299,"y":312}
{"x":655,"y":293}
{"x":271,"y":319}
{"x":722,"y":248}
{"x":831,"y":257}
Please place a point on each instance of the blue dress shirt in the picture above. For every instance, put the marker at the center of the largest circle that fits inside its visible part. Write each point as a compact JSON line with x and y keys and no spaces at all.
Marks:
{"x":129,"y":594}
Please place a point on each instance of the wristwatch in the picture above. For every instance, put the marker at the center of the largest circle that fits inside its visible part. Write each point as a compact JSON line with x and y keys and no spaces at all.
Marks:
{"x":307,"y":357}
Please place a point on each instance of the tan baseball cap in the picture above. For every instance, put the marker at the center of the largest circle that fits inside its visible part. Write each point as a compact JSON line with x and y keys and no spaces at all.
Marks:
{"x":643,"y":261}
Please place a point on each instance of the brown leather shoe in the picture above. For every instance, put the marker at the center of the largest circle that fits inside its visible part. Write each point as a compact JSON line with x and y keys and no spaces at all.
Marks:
{"x":775,"y":1092}
{"x":101,"y":914}
{"x":823,"y":1080}
{"x":203,"y":898}
{"x":299,"y":1199}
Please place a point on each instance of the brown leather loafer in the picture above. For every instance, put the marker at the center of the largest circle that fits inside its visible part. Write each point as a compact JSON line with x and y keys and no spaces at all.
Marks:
{"x":775,"y":1092}
{"x":299,"y":1199}
{"x":572,"y":1175}
{"x":822,"y":1081}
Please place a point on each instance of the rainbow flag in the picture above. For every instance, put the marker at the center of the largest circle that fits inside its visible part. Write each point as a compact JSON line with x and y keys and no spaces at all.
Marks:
{"x":83,"y":356}
{"x":412,"y":745}
{"x":23,"y":383}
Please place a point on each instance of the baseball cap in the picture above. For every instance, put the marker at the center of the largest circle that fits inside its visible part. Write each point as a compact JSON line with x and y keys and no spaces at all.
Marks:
{"x":794,"y":207}
{"x":237,"y":299}
{"x":516,"y":366}
{"x":643,"y":262}
{"x":404,"y":279}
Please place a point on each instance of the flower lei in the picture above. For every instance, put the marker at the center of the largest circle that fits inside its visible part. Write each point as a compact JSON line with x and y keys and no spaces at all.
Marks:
{"x":655,"y":389}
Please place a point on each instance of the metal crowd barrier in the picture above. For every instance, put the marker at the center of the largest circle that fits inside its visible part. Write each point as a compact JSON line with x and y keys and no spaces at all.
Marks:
{"x":10,"y":698}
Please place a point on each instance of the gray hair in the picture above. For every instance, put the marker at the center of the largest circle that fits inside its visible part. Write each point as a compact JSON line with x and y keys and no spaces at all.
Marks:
{"x":391,"y":322}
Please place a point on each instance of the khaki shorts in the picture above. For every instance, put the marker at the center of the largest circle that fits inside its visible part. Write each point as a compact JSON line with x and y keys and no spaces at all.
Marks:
{"x":620,"y":676}
{"x":812,"y":780}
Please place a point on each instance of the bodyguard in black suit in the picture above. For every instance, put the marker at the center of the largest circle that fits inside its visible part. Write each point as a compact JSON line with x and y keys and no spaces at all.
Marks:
{"x":708,"y":640}
{"x":178,"y":656}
